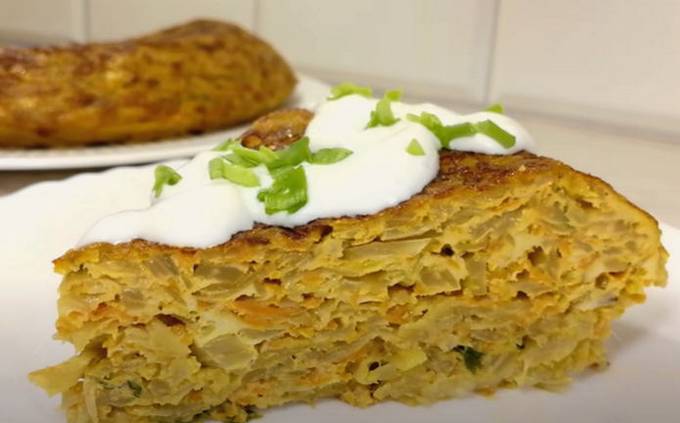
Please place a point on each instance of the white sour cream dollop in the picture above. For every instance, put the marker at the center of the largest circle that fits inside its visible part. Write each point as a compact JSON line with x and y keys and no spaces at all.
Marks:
{"x":200,"y":212}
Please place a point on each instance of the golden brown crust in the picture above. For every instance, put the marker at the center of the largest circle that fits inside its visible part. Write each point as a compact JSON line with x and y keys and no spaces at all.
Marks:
{"x":460,"y":175}
{"x":193,"y":78}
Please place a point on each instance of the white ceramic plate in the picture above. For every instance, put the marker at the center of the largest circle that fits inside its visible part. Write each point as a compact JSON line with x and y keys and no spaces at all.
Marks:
{"x":42,"y":221}
{"x":308,"y":93}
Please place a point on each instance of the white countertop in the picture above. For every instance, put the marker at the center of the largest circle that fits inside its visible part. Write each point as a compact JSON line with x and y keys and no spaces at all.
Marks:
{"x":646,"y":171}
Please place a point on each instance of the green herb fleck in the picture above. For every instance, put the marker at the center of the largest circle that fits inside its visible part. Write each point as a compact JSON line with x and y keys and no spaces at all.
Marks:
{"x":347,"y":88}
{"x":226,"y":145}
{"x":251,"y":413}
{"x":220,"y":169}
{"x":287,"y":193}
{"x":329,"y":155}
{"x":522,"y":343}
{"x":383,"y":115}
{"x":415,"y":148}
{"x":495,"y":108}
{"x":164,"y":175}
{"x":471,"y":357}
{"x":135,"y":388}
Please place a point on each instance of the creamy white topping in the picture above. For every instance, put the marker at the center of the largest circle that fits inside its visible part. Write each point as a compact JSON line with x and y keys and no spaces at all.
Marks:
{"x":200,"y":212}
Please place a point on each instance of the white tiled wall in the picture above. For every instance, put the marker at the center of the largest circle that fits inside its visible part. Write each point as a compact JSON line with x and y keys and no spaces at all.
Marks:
{"x":437,"y":47}
{"x":115,"y":19}
{"x":616,"y":62}
{"x":611,"y":60}
{"x":40,"y":20}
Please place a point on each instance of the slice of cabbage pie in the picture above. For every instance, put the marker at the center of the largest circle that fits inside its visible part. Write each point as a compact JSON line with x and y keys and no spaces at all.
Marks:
{"x":504,"y":271}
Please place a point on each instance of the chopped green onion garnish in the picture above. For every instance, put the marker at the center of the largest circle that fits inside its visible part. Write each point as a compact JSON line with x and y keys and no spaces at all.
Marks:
{"x":434,"y":124}
{"x":444,"y":133}
{"x":382,"y":115}
{"x":250,"y":158}
{"x":500,"y":135}
{"x":164,"y":175}
{"x":415,"y":148}
{"x":448,"y":133}
{"x":267,"y":153}
{"x":220,"y":169}
{"x":288,"y":192}
{"x":295,"y":154}
{"x":227,"y":145}
{"x":428,"y":120}
{"x":240,"y":160}
{"x":329,"y":155}
{"x":347,"y":88}
{"x":495,"y":108}
{"x":240,"y":175}
{"x":393,"y":95}
{"x":215,"y":168}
